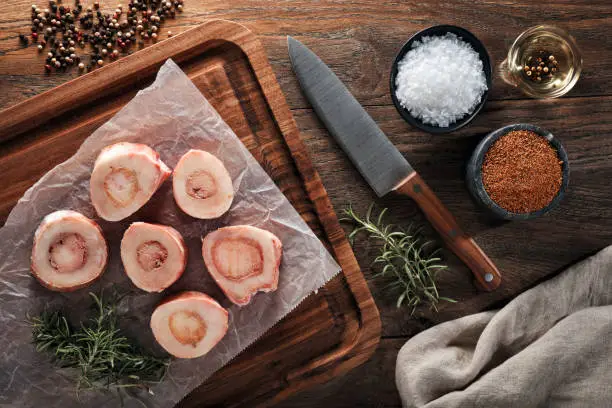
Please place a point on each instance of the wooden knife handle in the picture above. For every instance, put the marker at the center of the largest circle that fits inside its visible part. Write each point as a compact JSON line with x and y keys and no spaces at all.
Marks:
{"x":461,"y":244}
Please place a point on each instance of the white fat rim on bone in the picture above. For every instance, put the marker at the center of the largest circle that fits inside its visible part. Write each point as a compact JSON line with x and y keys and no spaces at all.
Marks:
{"x":150,"y":172}
{"x":159,"y":279}
{"x":212,"y":314}
{"x":240,"y":292}
{"x":68,"y":222}
{"x":204,"y":208}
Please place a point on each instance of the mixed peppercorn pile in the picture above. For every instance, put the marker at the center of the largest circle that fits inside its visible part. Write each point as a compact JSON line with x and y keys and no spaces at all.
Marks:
{"x":540,"y":66}
{"x":65,"y":30}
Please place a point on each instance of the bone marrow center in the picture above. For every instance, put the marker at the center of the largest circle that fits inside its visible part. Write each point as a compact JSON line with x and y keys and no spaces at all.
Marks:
{"x":238,"y":258}
{"x":121,"y":185}
{"x":187,"y":327}
{"x":151,"y":255}
{"x":68,"y":252}
{"x":201,"y":184}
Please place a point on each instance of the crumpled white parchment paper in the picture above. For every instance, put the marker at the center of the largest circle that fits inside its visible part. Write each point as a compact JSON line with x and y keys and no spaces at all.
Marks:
{"x":171,"y":116}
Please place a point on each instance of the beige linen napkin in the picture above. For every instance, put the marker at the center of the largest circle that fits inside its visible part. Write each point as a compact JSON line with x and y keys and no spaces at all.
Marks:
{"x":549,"y":347}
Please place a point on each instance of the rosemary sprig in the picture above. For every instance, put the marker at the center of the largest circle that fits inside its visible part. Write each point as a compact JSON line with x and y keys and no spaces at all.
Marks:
{"x":405,"y":258}
{"x":105,"y":359}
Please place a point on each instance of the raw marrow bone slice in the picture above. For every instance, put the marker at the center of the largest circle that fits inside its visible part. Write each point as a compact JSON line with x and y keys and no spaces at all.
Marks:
{"x":189,"y":325}
{"x":154,"y":256}
{"x":68,"y":252}
{"x":243,"y":260}
{"x":124,"y":178}
{"x":202,"y":186}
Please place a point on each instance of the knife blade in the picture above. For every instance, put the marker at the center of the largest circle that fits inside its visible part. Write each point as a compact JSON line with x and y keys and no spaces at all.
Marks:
{"x":377,"y":159}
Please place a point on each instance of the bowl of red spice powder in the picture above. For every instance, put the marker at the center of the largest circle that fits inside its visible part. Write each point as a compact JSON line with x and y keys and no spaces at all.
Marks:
{"x":518,"y":172}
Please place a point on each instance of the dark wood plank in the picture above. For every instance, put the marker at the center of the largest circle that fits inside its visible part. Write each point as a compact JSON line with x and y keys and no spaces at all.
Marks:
{"x":358,"y":39}
{"x":371,"y":385}
{"x":461,"y":244}
{"x":525,"y":252}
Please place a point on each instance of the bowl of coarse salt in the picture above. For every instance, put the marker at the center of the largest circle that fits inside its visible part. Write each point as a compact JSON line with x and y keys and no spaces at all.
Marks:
{"x":441,"y":78}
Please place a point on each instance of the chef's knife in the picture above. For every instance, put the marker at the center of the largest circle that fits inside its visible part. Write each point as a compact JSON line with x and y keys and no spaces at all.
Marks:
{"x":380,"y":163}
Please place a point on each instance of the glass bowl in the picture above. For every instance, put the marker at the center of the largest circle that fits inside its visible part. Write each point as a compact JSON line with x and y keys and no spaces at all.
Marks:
{"x":548,"y":41}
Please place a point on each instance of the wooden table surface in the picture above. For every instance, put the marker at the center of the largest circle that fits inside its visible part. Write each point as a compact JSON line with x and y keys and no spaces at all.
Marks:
{"x":359,"y":39}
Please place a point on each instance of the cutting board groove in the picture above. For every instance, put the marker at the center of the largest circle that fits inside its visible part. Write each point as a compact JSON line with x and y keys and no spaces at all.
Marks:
{"x":331,"y":331}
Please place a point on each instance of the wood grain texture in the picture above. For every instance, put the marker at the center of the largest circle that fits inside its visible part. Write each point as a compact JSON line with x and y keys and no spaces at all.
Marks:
{"x":371,"y":385}
{"x":462,"y":245}
{"x":334,"y":330}
{"x":525,"y":252}
{"x":359,"y":39}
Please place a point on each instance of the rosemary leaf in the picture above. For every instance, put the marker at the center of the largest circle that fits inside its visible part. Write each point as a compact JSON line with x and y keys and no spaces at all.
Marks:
{"x":405,"y":258}
{"x":103,"y":357}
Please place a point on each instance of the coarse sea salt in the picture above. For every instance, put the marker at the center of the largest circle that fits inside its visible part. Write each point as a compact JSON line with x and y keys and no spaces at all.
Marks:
{"x":440,"y":80}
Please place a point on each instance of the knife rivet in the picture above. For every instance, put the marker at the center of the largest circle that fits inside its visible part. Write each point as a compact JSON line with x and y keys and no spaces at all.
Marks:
{"x":417,"y":188}
{"x":488,"y":277}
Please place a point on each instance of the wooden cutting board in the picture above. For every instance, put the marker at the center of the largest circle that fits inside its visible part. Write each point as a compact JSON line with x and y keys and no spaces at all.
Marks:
{"x":333,"y":330}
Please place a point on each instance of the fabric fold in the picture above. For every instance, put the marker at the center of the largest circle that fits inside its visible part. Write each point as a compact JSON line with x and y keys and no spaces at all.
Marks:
{"x":549,"y":347}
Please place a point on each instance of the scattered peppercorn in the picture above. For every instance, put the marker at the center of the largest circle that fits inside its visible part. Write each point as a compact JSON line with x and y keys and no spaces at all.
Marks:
{"x":63,"y":27}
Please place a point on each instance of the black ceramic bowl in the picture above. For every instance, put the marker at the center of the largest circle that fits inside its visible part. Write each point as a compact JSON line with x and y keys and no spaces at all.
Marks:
{"x":441,"y":30}
{"x":474,"y":173}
